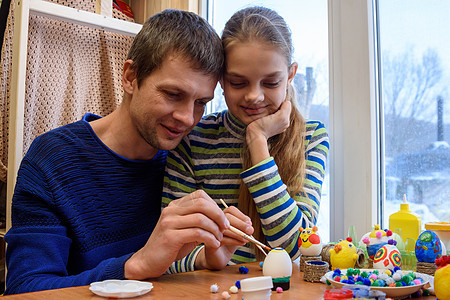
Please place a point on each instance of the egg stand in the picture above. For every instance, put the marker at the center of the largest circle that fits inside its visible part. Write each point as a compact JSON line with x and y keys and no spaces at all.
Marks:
{"x":314,"y":270}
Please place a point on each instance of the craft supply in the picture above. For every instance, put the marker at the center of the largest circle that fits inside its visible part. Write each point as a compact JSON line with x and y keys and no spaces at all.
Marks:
{"x":233,"y":289}
{"x":442,"y":229}
{"x":278,"y":265}
{"x":428,"y":247}
{"x":409,"y":222}
{"x":442,"y":278}
{"x":243,"y":270}
{"x":304,"y":259}
{"x":343,"y":255}
{"x":225,"y":295}
{"x":309,"y":242}
{"x":246,"y":236}
{"x":257,"y":288}
{"x":279,"y":289}
{"x":214,"y":288}
{"x":314,"y":270}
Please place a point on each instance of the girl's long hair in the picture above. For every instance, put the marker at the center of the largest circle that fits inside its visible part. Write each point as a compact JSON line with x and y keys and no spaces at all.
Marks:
{"x":264,"y":25}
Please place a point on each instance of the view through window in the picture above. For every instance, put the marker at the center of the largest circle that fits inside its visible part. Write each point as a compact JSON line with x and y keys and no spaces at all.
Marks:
{"x":415,"y":65}
{"x":308,"y":21}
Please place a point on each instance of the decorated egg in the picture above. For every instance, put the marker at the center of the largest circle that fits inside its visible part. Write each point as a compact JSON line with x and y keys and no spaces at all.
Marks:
{"x":442,"y":277}
{"x":278,"y":264}
{"x":428,"y":247}
{"x":375,"y":239}
{"x":387,"y":257}
{"x":343,"y":255}
{"x":309,"y":242}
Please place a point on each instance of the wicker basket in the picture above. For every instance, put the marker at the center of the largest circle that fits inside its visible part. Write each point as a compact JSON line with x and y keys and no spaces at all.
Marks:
{"x":427,"y":268}
{"x":314,"y":270}
{"x":303,"y":259}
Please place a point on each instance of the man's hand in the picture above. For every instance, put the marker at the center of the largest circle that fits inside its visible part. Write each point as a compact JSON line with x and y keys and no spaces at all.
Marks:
{"x":183,"y":224}
{"x":217,"y":258}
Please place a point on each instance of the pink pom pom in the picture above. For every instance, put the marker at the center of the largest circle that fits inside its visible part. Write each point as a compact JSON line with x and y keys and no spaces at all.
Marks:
{"x":373,"y":276}
{"x":366,"y":240}
{"x":417,"y":281}
{"x":279,"y":289}
{"x":378,"y":234}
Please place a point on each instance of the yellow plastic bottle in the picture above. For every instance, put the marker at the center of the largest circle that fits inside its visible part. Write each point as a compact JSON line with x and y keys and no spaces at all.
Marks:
{"x":409,"y":222}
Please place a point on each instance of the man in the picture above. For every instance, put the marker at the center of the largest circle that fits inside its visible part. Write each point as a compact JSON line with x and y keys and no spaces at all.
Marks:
{"x":87,"y":203}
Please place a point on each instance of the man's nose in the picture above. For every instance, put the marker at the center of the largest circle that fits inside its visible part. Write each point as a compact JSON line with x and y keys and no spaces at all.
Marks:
{"x":184,"y":113}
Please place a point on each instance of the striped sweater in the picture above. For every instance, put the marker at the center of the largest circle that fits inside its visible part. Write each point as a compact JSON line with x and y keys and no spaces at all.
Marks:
{"x":209,"y":159}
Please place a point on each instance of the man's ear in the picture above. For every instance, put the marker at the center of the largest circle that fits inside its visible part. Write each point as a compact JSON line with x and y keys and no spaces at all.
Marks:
{"x":128,"y":77}
{"x":292,"y":72}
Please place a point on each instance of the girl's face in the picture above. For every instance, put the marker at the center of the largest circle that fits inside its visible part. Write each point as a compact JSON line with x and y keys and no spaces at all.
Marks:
{"x":256,"y":80}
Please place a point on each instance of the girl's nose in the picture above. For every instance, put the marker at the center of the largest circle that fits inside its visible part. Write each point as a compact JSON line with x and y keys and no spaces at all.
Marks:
{"x":254,"y":94}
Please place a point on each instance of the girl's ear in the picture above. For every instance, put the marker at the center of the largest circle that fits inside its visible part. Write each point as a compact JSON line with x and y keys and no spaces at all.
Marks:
{"x":292,"y":72}
{"x":128,"y":77}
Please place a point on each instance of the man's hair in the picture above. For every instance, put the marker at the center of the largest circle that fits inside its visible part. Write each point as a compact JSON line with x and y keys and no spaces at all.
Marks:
{"x":180,"y":33}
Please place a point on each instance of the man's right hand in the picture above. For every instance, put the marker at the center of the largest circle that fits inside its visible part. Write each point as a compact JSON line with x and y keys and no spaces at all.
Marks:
{"x":183,"y":224}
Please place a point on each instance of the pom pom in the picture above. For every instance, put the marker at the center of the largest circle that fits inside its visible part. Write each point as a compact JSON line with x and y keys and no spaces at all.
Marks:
{"x":373,"y":276}
{"x":225,"y":295}
{"x":214,"y":288}
{"x":366,"y":241}
{"x":243,"y":270}
{"x":397,"y":276}
{"x":379,"y":234}
{"x":337,"y":271}
{"x":233,"y":289}
{"x":261,"y":264}
{"x":391,"y":242}
{"x":238,"y":284}
{"x":396,"y":269}
{"x":349,"y":239}
{"x":388,"y":233}
{"x":279,"y":289}
{"x":366,"y":282}
{"x":337,"y":278}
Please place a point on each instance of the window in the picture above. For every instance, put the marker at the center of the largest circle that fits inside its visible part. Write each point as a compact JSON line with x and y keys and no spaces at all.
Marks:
{"x":415,"y":71}
{"x":308,"y":21}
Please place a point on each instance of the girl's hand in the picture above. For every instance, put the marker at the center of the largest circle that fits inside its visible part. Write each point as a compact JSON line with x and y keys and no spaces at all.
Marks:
{"x":259,"y":131}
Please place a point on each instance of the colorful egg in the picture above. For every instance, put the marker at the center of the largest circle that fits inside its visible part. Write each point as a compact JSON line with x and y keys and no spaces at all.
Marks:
{"x":375,"y":239}
{"x":387,"y":257}
{"x":428,"y":247}
{"x":278,"y":264}
{"x":309,"y":242}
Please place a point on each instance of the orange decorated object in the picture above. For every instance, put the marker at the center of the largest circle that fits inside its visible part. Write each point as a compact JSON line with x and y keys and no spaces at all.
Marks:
{"x":123,"y":7}
{"x":442,"y":278}
{"x":309,"y":242}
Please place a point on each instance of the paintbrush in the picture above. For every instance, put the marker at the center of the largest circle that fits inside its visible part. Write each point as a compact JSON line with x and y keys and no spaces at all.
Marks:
{"x":246,"y":236}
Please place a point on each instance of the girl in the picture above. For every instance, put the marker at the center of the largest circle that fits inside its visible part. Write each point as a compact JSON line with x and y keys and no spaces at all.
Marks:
{"x":259,"y":155}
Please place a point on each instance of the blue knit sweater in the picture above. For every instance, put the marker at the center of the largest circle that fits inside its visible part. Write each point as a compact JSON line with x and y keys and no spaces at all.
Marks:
{"x":79,"y":210}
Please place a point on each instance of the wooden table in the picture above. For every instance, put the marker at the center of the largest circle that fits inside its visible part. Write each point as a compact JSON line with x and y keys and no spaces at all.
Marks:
{"x":195,"y":285}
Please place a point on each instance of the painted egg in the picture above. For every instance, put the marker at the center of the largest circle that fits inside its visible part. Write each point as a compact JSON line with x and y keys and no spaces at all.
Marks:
{"x":428,"y":247}
{"x":375,"y":239}
{"x":278,"y":264}
{"x":309,"y":242}
{"x":387,"y":257}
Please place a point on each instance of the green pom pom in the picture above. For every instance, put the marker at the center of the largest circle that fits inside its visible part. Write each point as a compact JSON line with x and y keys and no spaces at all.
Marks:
{"x":328,"y":283}
{"x":398,"y":283}
{"x":376,"y":272}
{"x":426,"y":292}
{"x":406,"y":279}
{"x":356,"y":271}
{"x":350,"y":272}
{"x":364,"y":274}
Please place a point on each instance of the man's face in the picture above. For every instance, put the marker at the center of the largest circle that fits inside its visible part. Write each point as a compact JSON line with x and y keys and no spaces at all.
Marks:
{"x":170,"y":102}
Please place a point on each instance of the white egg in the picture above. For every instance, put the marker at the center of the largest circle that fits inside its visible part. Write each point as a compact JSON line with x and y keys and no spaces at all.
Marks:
{"x":277,"y":264}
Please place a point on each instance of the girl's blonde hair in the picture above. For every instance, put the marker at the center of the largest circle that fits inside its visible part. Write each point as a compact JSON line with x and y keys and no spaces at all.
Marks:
{"x":261,"y":24}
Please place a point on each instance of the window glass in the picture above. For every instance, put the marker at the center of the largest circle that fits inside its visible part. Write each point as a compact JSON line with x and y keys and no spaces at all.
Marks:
{"x":415,"y":65}
{"x":308,"y":21}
